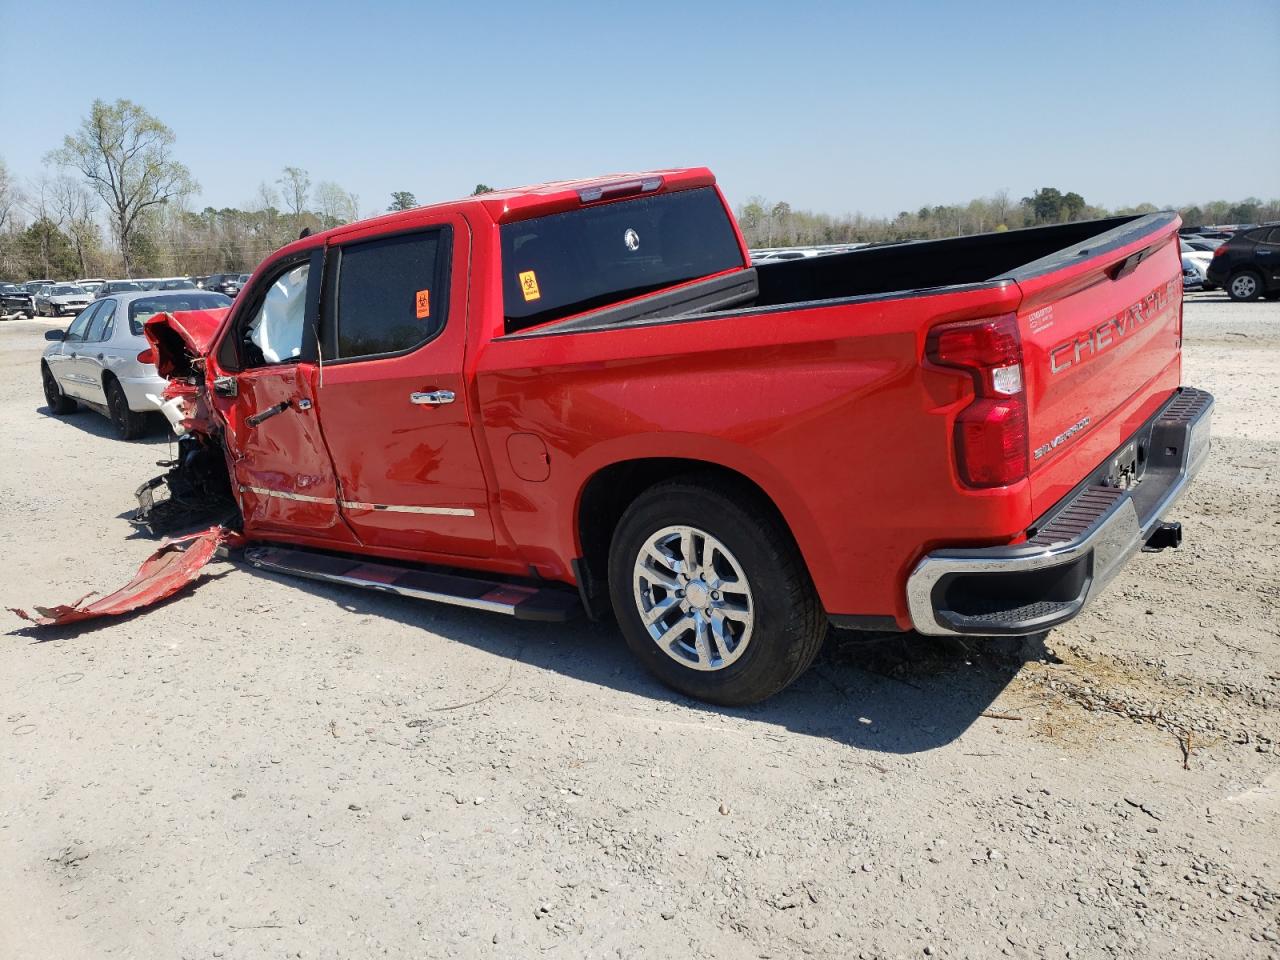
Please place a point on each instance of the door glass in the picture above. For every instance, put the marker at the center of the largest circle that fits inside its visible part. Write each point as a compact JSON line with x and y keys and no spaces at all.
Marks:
{"x":101,"y":318}
{"x":278,"y":326}
{"x":390,"y":294}
{"x":75,"y":332}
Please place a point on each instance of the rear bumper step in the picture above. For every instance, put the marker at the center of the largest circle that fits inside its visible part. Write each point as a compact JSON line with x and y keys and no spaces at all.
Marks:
{"x":515,"y":600}
{"x":1076,"y":548}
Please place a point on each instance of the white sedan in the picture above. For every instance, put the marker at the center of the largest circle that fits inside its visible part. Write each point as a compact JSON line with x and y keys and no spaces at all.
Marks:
{"x":96,"y":362}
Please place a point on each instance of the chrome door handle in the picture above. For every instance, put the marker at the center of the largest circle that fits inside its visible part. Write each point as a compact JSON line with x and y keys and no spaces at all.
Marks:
{"x":433,"y":398}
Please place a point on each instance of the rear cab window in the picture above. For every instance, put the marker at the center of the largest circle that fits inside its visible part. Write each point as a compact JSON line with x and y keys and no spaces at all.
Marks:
{"x":564,"y":264}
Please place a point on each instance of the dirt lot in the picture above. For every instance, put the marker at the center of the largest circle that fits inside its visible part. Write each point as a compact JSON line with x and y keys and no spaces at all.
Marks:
{"x":276,"y":768}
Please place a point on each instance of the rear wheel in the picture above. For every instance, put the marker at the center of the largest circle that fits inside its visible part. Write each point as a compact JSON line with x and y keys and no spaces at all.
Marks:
{"x":1244,"y":286}
{"x":712,"y":594}
{"x":129,"y":425}
{"x":57,"y":401}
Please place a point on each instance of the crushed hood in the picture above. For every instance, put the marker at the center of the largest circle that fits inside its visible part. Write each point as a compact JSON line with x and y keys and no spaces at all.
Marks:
{"x":182,"y":337}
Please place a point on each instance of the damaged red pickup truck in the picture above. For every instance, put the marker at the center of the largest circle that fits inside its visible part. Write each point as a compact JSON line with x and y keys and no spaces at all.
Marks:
{"x":583,"y":393}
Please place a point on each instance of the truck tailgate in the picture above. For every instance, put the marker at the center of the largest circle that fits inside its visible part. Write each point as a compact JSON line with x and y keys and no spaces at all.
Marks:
{"x":1101,"y":326}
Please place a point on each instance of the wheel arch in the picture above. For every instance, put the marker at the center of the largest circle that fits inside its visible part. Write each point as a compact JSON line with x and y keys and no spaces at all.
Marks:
{"x":609,"y":490}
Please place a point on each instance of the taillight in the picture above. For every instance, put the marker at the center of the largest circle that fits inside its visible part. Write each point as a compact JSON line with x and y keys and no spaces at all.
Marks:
{"x":1220,"y":250}
{"x":991,"y":432}
{"x":147,"y":356}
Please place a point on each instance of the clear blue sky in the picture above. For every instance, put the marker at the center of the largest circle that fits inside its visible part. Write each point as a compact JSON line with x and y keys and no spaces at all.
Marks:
{"x":839,"y":107}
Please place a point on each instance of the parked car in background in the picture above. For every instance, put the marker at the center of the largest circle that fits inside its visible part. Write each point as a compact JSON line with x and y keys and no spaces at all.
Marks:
{"x":96,"y":360}
{"x":1195,"y":264}
{"x":176,"y":283}
{"x":117,"y":286}
{"x":1248,"y":265}
{"x":1208,"y":244}
{"x":90,"y":283}
{"x":54,"y":300}
{"x":12,"y":299}
{"x":228,"y":283}
{"x":23,"y":300}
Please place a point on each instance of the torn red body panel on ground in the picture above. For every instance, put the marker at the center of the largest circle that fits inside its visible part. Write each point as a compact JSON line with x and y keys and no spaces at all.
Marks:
{"x":161,"y":575}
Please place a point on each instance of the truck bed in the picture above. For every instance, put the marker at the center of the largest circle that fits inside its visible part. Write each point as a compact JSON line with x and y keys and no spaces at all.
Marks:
{"x":817,"y":368}
{"x":892,"y":270}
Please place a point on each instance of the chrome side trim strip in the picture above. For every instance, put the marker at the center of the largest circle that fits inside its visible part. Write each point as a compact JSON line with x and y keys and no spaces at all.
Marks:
{"x":399,"y":508}
{"x":357,"y":505}
{"x":285,"y":495}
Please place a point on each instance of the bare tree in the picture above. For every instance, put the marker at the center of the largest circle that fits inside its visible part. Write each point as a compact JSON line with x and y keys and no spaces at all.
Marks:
{"x":1000,"y":206}
{"x":46,"y":222}
{"x":75,"y":206}
{"x":8,"y":196}
{"x":334,"y":204}
{"x":295,"y":185}
{"x":126,"y":155}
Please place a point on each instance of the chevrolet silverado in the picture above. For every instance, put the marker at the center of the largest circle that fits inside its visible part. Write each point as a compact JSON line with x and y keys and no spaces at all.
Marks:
{"x":582,"y":395}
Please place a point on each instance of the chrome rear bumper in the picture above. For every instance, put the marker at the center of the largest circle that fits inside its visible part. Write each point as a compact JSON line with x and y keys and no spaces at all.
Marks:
{"x":1078,"y":547}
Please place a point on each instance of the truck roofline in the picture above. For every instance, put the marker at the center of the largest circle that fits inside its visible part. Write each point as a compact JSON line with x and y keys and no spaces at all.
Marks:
{"x":514,"y":203}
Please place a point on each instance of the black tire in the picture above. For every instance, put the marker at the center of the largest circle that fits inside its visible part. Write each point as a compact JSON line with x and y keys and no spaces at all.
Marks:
{"x":58,"y":402}
{"x":1244,"y":285}
{"x":129,"y":425}
{"x":788,"y":625}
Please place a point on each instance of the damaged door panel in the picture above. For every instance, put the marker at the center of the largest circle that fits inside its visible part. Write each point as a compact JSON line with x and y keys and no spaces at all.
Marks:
{"x":281,"y":474}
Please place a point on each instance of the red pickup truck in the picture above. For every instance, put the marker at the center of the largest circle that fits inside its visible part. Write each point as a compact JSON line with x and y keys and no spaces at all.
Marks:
{"x":583,"y":395}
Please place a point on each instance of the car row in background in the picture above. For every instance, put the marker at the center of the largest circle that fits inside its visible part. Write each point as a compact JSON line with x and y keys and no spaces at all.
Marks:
{"x":102,"y":360}
{"x":47,"y":298}
{"x":228,"y":283}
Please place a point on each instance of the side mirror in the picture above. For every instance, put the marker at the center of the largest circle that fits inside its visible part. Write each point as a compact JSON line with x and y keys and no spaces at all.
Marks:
{"x":55,"y":334}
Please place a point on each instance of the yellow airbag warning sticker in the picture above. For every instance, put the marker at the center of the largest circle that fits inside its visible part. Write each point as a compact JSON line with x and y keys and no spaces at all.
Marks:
{"x":423,"y":304}
{"x":529,"y":286}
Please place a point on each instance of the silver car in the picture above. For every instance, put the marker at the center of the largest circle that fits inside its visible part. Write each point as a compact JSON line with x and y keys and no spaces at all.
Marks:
{"x":59,"y":298}
{"x":95,"y":360}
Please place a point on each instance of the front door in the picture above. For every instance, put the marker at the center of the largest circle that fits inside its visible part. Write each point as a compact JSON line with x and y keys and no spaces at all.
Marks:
{"x":64,"y":362}
{"x":392,"y":398}
{"x":90,"y":361}
{"x":264,"y":389}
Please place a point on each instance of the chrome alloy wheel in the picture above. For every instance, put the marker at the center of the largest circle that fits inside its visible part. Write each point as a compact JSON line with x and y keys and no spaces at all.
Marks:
{"x":693,"y":598}
{"x":1245,"y":286}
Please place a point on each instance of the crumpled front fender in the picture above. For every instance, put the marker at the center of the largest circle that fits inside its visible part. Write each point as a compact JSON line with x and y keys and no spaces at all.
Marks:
{"x":181,"y":338}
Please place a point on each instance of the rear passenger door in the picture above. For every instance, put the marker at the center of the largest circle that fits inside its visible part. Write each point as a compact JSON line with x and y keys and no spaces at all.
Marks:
{"x":392,"y":398}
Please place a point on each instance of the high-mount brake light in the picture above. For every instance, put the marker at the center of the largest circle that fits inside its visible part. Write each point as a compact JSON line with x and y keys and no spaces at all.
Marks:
{"x":623,"y":188}
{"x":991,"y":432}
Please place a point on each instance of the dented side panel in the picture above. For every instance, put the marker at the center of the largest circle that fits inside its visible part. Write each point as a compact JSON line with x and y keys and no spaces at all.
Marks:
{"x":280,"y":467}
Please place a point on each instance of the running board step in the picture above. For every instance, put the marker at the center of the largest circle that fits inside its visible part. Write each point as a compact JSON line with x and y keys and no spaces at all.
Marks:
{"x":514,"y":600}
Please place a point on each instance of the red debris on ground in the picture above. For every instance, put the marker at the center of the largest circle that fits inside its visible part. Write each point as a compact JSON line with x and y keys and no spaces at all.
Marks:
{"x":161,"y":575}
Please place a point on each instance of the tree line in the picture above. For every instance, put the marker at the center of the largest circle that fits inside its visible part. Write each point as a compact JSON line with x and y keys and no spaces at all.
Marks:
{"x":769,"y":224}
{"x":114,"y":200}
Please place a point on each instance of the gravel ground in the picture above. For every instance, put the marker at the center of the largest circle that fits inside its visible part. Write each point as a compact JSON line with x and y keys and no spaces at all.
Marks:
{"x":269,"y":767}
